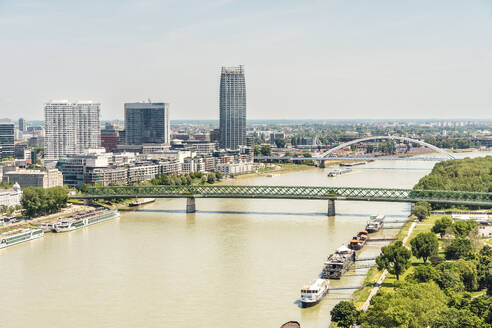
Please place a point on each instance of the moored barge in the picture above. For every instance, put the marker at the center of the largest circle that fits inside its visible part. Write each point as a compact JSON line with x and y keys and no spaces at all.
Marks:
{"x":359,"y":240}
{"x":375,"y":223}
{"x":338,"y":263}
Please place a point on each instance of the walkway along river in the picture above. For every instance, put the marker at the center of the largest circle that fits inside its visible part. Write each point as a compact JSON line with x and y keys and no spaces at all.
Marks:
{"x":234,"y":263}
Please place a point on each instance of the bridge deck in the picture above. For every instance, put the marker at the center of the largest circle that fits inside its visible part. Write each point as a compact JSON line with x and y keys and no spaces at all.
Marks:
{"x":290,"y":192}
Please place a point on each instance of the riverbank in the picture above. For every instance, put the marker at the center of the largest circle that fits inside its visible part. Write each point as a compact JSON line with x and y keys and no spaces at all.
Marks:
{"x":274,"y":169}
{"x":35,"y":222}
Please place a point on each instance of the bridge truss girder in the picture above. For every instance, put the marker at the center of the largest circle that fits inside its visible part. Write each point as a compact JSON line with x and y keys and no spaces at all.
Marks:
{"x":291,"y":192}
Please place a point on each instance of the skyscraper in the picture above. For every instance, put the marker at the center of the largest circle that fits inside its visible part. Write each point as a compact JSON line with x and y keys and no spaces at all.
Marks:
{"x":6,"y":139}
{"x":22,"y":125}
{"x":71,"y":128}
{"x":232,"y":107}
{"x":147,"y":122}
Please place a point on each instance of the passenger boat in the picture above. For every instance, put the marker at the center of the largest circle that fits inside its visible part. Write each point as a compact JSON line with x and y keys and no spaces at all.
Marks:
{"x":141,"y":201}
{"x":85,"y":219}
{"x":10,"y":238}
{"x":312,"y":294}
{"x":338,"y":263}
{"x":359,"y":240}
{"x":375,"y":223}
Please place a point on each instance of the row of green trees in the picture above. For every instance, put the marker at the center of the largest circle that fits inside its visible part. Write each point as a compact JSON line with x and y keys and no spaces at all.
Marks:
{"x":450,"y":142}
{"x":187,"y":179}
{"x":38,"y":201}
{"x":469,"y":174}
{"x":263,"y":150}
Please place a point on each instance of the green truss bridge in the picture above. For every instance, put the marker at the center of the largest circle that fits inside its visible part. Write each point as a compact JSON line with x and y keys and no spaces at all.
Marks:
{"x":289,"y":192}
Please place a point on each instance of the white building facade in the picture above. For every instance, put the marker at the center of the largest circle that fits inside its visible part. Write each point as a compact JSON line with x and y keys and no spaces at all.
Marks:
{"x":71,"y":127}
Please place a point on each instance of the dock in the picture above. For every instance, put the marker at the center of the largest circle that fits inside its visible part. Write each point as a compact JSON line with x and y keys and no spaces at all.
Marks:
{"x":383,"y":238}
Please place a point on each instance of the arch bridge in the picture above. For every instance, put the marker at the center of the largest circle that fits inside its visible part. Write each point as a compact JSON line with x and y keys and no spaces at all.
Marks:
{"x":327,"y":154}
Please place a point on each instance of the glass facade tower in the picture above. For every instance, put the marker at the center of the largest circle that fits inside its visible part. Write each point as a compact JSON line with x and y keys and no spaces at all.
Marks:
{"x":147,"y":123}
{"x":6,"y":139}
{"x":232,"y":108}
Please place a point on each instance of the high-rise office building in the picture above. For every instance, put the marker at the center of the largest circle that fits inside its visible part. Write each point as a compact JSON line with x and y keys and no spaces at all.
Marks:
{"x":232,"y":107}
{"x":71,"y":128}
{"x":147,"y":122}
{"x":6,"y":139}
{"x":22,"y":125}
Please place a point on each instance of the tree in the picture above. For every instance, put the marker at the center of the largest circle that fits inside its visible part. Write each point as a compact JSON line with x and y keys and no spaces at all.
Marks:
{"x":480,"y":306}
{"x":219,"y":175}
{"x":422,"y":210}
{"x":424,"y":273}
{"x":463,"y":228}
{"x":266,"y":150}
{"x":484,"y":265}
{"x":469,"y":174}
{"x":459,"y":248}
{"x":442,"y":224}
{"x":449,"y":277}
{"x":454,"y":318}
{"x":211,"y":178}
{"x":257,"y":150}
{"x":394,"y":258}
{"x":38,"y":201}
{"x":424,"y":245}
{"x":468,"y":273}
{"x":280,"y":143}
{"x":410,"y":305}
{"x":344,"y":314}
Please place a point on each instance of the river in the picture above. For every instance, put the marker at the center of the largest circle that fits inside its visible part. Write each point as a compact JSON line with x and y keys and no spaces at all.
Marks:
{"x":234,"y":263}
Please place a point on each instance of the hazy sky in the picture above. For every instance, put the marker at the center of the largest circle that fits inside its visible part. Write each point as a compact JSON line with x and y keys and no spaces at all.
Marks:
{"x":303,"y":59}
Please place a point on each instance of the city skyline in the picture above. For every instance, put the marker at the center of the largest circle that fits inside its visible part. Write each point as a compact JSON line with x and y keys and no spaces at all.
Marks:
{"x":305,"y":60}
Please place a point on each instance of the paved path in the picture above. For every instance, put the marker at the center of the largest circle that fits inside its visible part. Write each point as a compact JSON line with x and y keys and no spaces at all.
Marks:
{"x":375,"y":289}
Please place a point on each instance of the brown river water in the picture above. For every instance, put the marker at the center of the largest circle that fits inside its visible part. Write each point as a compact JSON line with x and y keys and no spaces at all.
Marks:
{"x":234,"y":263}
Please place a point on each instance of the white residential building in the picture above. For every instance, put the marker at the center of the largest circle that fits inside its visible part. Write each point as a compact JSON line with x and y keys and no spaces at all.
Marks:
{"x":71,"y":127}
{"x":11,"y":197}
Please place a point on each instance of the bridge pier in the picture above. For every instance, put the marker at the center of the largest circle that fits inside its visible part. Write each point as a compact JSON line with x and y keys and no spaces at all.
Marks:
{"x":322,"y":164}
{"x":331,"y":207}
{"x":88,"y":202}
{"x":190,"y":205}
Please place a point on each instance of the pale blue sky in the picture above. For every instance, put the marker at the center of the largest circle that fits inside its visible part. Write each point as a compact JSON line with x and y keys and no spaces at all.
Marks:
{"x":303,"y":59}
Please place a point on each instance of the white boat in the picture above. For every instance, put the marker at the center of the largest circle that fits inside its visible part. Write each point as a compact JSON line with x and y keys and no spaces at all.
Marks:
{"x":312,"y":294}
{"x":375,"y":223}
{"x":10,"y":238}
{"x":82,"y":220}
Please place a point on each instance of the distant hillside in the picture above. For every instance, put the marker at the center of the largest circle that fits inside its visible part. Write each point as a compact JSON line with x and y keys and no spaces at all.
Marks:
{"x":469,"y":174}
